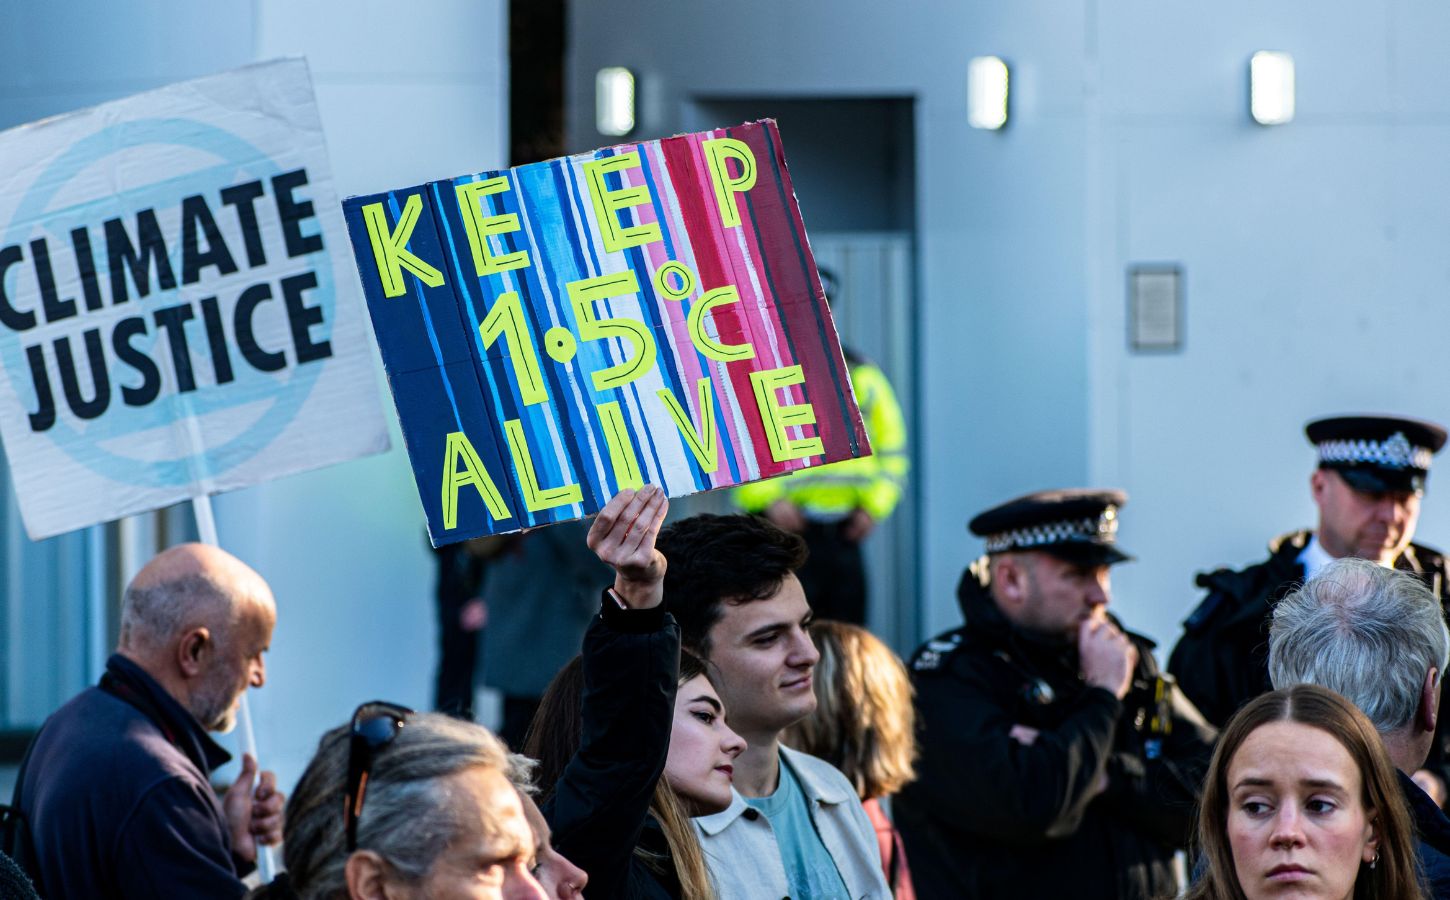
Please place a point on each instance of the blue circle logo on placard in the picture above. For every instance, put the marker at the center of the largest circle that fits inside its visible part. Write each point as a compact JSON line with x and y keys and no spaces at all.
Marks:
{"x":279,"y":400}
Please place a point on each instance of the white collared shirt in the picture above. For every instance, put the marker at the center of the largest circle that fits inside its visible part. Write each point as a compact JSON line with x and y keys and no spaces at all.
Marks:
{"x":1314,"y":557}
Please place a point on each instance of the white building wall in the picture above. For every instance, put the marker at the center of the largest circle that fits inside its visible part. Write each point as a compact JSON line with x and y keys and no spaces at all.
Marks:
{"x":1314,"y":252}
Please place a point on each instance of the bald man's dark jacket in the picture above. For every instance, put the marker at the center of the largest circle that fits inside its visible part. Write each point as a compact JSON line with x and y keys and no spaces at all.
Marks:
{"x":1222,"y":659}
{"x":994,"y":816}
{"x":119,"y":804}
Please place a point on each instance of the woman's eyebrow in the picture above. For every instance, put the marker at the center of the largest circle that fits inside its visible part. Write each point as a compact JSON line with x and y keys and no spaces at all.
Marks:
{"x":706,"y":698}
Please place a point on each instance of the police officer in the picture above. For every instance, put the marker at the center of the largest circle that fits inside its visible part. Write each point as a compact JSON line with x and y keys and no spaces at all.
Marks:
{"x":1056,"y":761}
{"x":1368,"y":485}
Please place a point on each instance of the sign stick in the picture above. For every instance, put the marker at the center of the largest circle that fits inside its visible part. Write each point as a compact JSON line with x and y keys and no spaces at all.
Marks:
{"x":206,"y":530}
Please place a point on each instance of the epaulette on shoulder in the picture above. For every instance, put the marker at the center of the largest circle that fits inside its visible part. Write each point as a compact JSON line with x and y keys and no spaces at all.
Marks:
{"x":1203,"y":613}
{"x":935,"y":652}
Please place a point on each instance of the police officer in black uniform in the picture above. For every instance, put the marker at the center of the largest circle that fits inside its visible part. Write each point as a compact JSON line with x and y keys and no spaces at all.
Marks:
{"x":1368,"y":486}
{"x":1056,"y":761}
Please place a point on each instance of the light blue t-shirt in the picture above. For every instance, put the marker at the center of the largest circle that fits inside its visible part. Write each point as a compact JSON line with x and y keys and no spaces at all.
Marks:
{"x":809,"y":869}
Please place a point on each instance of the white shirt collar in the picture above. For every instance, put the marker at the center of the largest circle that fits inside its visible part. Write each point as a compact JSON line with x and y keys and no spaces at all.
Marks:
{"x":1314,"y":557}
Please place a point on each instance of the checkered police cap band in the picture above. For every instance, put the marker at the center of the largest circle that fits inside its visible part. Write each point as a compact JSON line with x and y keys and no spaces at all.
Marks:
{"x":1394,"y":452}
{"x":1101,"y":529}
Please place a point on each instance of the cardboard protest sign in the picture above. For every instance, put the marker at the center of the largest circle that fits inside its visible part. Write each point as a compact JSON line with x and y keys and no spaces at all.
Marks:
{"x":172,"y":323}
{"x":648,"y":313}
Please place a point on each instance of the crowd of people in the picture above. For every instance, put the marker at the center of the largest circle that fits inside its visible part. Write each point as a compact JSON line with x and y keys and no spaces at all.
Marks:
{"x":714,"y":739}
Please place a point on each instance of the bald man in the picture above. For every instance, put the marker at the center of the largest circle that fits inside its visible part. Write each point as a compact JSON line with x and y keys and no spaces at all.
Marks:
{"x":115,"y":787}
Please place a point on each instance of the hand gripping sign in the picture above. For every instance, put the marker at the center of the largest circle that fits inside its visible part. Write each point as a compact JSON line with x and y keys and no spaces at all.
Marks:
{"x":172,"y":323}
{"x":646,"y":313}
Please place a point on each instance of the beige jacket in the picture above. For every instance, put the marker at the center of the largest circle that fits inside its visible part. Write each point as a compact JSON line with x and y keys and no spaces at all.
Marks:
{"x":744,"y":861}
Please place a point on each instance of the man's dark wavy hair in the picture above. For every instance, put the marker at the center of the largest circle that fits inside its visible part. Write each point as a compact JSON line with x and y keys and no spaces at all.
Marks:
{"x":714,"y":560}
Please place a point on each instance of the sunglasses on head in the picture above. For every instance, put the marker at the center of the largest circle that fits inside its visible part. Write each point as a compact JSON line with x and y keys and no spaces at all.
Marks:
{"x":374,"y":726}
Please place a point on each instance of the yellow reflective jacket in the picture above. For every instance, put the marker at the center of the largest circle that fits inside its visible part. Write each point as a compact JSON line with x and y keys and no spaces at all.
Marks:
{"x":873,"y":483}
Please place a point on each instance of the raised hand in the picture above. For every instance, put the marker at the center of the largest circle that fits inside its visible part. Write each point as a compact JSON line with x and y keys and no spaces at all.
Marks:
{"x":1106,"y":655}
{"x":623,"y":536}
{"x":254,"y":817}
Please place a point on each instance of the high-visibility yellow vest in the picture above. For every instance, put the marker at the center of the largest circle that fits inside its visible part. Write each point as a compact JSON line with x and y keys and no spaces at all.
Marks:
{"x":873,"y":483}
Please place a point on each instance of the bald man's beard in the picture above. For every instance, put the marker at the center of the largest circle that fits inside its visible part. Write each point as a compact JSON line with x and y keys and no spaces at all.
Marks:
{"x":215,"y":703}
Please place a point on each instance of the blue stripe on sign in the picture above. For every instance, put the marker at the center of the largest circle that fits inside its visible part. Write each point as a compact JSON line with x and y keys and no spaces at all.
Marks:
{"x":428,"y":326}
{"x":572,"y":419}
{"x":543,"y":219}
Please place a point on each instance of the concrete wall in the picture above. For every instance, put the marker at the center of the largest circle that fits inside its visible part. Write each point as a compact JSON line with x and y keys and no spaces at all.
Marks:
{"x":1316,"y":279}
{"x":344,"y":548}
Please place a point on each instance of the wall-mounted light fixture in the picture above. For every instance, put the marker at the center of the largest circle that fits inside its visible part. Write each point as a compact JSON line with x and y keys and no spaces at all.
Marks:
{"x":987,"y":92}
{"x":614,"y":101}
{"x":1271,"y":87}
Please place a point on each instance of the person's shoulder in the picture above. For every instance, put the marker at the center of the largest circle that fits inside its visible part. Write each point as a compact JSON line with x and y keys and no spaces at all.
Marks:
{"x":936,"y":654}
{"x":818,"y":778}
{"x":1232,"y":591}
{"x":92,"y":726}
{"x":1429,"y":559}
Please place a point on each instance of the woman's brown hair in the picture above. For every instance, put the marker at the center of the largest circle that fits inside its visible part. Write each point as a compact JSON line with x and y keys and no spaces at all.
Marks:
{"x":554,"y":737}
{"x":865,"y":722}
{"x":1396,"y":874}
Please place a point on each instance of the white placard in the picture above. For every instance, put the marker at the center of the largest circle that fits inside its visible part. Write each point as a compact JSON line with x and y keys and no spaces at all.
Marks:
{"x":178,"y":309}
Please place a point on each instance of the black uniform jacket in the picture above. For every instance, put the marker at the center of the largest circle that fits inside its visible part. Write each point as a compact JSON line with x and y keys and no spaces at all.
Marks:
{"x":599,"y":811}
{"x":1222,"y":659}
{"x":993,"y":816}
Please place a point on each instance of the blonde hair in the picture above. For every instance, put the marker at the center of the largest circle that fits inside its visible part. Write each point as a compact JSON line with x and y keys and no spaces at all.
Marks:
{"x":864,"y":723}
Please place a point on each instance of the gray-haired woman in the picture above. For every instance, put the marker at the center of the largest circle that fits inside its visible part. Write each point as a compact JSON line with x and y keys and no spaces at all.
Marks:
{"x":400,"y":804}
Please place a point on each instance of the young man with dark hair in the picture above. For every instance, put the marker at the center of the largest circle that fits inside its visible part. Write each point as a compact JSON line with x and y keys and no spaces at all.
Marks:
{"x":794,"y":826}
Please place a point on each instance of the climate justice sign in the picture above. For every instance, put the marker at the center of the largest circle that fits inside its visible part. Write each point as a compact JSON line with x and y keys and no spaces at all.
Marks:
{"x":171,"y":321}
{"x":647,"y":313}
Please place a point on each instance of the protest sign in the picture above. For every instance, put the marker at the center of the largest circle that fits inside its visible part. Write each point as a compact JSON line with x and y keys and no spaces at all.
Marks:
{"x":172,"y":323}
{"x":647,"y":313}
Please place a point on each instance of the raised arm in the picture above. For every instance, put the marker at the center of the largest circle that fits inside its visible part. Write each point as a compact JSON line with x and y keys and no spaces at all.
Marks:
{"x":631,"y":665}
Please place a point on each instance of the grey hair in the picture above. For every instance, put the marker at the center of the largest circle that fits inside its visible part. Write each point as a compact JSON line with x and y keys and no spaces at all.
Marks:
{"x":409,"y":817}
{"x":152,"y":615}
{"x":1364,"y":631}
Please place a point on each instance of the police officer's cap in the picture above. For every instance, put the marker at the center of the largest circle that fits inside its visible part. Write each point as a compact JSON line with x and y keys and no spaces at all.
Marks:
{"x":1079,"y":525}
{"x":1377,"y":454}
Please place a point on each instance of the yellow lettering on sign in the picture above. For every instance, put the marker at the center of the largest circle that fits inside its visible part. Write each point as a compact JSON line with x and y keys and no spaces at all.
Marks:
{"x":456,"y":448}
{"x":607,"y":203}
{"x":707,"y":345}
{"x":777,"y":418}
{"x":717,"y":151}
{"x":621,"y":450}
{"x":701,"y":441}
{"x":535,"y":498}
{"x":390,"y":248}
{"x":583,"y":294}
{"x":507,"y":318}
{"x":480,"y":227}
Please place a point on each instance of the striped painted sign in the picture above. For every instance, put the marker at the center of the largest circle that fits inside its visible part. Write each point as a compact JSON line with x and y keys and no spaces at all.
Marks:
{"x":645,"y":314}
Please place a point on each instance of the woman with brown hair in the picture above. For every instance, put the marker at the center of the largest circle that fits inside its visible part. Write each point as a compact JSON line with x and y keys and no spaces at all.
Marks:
{"x":631,"y":736}
{"x":864,"y":725}
{"x":1301,"y":800}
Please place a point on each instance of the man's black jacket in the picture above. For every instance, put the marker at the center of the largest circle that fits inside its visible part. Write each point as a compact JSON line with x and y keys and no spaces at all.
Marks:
{"x":1432,"y":830}
{"x":991,"y":816}
{"x":599,"y":811}
{"x":1222,"y":660}
{"x":118,"y":799}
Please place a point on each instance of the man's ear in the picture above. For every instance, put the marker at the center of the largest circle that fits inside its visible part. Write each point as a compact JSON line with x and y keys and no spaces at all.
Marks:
{"x":193,"y":650}
{"x":1318,"y":484}
{"x":1010,"y":579}
{"x":1428,"y":713}
{"x":366,"y":876}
